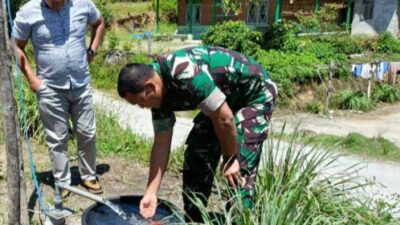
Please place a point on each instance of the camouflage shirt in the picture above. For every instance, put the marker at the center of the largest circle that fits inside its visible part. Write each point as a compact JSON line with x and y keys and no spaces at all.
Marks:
{"x":204,"y":77}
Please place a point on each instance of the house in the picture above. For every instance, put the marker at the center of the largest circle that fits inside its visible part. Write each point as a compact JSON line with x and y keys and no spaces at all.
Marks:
{"x":258,"y":16}
{"x":375,"y":16}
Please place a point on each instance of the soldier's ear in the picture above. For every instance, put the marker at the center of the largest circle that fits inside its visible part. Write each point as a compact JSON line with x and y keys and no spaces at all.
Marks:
{"x":149,"y":88}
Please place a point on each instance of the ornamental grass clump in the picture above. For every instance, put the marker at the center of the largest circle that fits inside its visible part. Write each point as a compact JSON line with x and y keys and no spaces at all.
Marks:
{"x":292,"y":188}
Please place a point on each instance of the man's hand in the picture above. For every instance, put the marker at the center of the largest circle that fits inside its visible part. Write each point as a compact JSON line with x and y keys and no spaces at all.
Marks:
{"x":34,"y":83}
{"x":148,"y":205}
{"x":231,"y":172}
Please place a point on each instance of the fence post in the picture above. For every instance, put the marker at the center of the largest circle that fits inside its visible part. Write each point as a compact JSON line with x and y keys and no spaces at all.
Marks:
{"x":9,"y":111}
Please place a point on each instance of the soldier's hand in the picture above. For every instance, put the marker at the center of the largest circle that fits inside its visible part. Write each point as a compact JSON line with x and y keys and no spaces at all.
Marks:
{"x":148,"y":205}
{"x":231,"y":172}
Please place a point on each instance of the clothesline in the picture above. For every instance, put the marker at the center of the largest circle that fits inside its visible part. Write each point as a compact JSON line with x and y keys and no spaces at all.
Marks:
{"x":380,"y":70}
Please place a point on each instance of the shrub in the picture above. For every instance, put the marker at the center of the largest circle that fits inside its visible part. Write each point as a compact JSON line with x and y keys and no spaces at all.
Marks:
{"x":105,"y":11}
{"x":141,"y":58}
{"x":325,"y":52}
{"x":328,"y":16}
{"x":386,"y":43}
{"x":344,"y":44}
{"x":294,"y":187}
{"x":282,"y":36}
{"x":168,"y":10}
{"x":386,"y":93}
{"x":354,"y":100}
{"x":314,"y":107}
{"x":105,"y":76}
{"x":113,"y":41}
{"x":236,"y":36}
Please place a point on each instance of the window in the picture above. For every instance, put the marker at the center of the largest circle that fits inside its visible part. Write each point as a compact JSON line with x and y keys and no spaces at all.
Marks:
{"x":196,"y":16}
{"x":257,"y":13}
{"x":368,"y":10}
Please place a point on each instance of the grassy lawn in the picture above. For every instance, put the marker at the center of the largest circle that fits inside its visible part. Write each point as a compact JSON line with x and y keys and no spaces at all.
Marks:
{"x":354,"y":143}
{"x":122,"y":9}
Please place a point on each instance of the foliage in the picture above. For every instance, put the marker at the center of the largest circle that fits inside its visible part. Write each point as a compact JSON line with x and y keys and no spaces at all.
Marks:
{"x":344,"y":43}
{"x":177,"y":157}
{"x":314,"y":107}
{"x":328,"y":16}
{"x":113,"y":140}
{"x":386,"y":43}
{"x":282,"y":36}
{"x":291,"y":190}
{"x":105,"y":76}
{"x":141,"y":58}
{"x":309,"y":23}
{"x":34,"y":125}
{"x":355,"y":100}
{"x":325,"y":52}
{"x":286,"y":68}
{"x":168,"y":10}
{"x":235,"y":35}
{"x":386,"y":93}
{"x":113,"y":41}
{"x":105,"y":11}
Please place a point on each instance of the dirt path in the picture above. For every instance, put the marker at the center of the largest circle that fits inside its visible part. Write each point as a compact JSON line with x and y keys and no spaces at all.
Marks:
{"x":384,"y":121}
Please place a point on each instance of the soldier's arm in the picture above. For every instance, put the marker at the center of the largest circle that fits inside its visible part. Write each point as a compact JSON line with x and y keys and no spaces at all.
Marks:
{"x":159,"y":160}
{"x":225,"y":129}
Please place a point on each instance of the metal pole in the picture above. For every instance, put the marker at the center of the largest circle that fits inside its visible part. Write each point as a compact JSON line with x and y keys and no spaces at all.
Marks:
{"x":9,"y":112}
{"x":278,"y":9}
{"x":158,"y":16}
{"x":191,"y":16}
{"x":348,"y":16}
{"x":316,"y":6}
{"x":214,"y":9}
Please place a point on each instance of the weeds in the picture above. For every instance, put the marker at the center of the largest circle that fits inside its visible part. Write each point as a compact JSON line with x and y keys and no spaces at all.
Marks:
{"x":354,"y":100}
{"x":386,"y":93}
{"x":113,"y":140}
{"x":291,"y":189}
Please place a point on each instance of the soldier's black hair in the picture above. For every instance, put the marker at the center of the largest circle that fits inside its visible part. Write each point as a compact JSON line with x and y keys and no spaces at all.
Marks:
{"x":132,"y":78}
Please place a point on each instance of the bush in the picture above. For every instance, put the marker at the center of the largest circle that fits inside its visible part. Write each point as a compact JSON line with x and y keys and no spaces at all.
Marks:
{"x":344,"y":44}
{"x":325,"y":52}
{"x":168,"y":10}
{"x":386,"y":93}
{"x":354,"y":100}
{"x":294,"y":187}
{"x":282,"y":36}
{"x":386,"y":43}
{"x":314,"y":107}
{"x":113,"y":41}
{"x":141,"y":58}
{"x":105,"y":76}
{"x":105,"y":11}
{"x":236,"y":36}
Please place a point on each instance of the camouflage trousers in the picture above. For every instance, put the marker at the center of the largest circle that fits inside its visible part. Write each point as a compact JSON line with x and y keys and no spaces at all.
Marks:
{"x":203,"y":154}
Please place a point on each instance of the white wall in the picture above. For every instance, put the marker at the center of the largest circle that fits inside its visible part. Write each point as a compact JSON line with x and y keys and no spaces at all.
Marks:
{"x":384,"y":18}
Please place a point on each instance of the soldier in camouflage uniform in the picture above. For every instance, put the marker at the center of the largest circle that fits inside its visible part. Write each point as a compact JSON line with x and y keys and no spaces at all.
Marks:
{"x":236,"y":97}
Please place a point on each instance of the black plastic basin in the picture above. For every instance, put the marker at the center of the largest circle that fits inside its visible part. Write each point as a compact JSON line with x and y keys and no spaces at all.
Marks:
{"x":99,"y":214}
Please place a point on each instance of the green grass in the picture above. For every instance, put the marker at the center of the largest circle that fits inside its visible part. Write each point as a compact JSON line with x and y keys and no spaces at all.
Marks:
{"x":290,"y":190}
{"x":113,"y":140}
{"x":121,"y":9}
{"x":349,"y":99}
{"x":354,"y":143}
